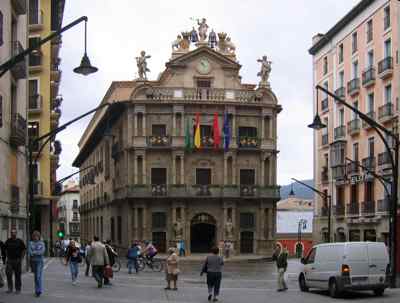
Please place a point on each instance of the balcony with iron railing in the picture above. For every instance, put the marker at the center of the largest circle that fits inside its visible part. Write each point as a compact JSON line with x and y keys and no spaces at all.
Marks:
{"x":386,"y":112}
{"x":383,"y":206}
{"x":368,"y":208}
{"x":339,"y":172}
{"x":159,"y":189}
{"x":247,"y":190}
{"x":207,"y":142}
{"x":35,"y":104}
{"x":325,"y":139}
{"x":370,"y":114}
{"x":384,"y":160}
{"x":354,"y":126}
{"x":369,"y":163}
{"x":35,"y":19}
{"x":353,"y":168}
{"x":340,"y":92}
{"x":159,"y":141}
{"x":324,"y":104}
{"x":353,"y":86}
{"x":339,"y":210}
{"x":340,"y":132}
{"x":353,"y":210}
{"x":18,"y":70}
{"x":248,"y":143}
{"x":18,"y":131}
{"x":368,"y":77}
{"x":385,"y":67}
{"x":35,"y":61}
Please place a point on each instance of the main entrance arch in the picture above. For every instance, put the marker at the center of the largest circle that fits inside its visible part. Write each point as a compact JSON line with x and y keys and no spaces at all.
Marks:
{"x":202,"y":233}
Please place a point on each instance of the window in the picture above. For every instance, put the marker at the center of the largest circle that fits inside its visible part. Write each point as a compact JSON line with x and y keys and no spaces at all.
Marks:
{"x":370,"y":58}
{"x":311,"y":256}
{"x":325,"y":129}
{"x":355,"y":69}
{"x":205,"y":131}
{"x":387,"y":48}
{"x":340,"y":53}
{"x":369,"y":191}
{"x":250,"y":132}
{"x":158,"y":176}
{"x":203,"y":176}
{"x":1,"y":111}
{"x":370,"y":103}
{"x":354,"y":42}
{"x":355,"y":152}
{"x":159,"y":220}
{"x":371,"y":147}
{"x":325,"y":65}
{"x":119,"y":229}
{"x":354,"y":235}
{"x":388,"y":94}
{"x":247,"y":220}
{"x":159,"y":130}
{"x":75,"y":204}
{"x":354,"y":114}
{"x":247,"y":176}
{"x":33,"y":11}
{"x":354,"y":194}
{"x":386,"y":17}
{"x":337,"y":153}
{"x":203,"y":83}
{"x":106,"y":159}
{"x":341,"y":117}
{"x":33,"y":132}
{"x":370,"y":32}
{"x":35,"y":57}
{"x":75,"y":216}
{"x":341,"y":79}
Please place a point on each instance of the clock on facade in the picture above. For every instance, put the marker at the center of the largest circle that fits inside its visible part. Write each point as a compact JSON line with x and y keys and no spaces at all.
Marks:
{"x":203,"y":66}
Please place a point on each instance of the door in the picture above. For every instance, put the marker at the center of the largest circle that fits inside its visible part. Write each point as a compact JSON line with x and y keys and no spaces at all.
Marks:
{"x":309,"y":268}
{"x":356,"y":256}
{"x":378,"y":261}
{"x":246,"y":242}
{"x":160,"y":241}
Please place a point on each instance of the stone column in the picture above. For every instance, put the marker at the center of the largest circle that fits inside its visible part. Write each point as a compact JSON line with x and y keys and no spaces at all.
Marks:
{"x":174,"y":132}
{"x":144,"y":125}
{"x":271,"y":170}
{"x":135,"y":126}
{"x":225,"y":170}
{"x":135,"y":223}
{"x":129,"y":224}
{"x":234,"y":169}
{"x":145,"y":236}
{"x":182,"y":130}
{"x":144,"y":170}
{"x":262,"y":175}
{"x":183,"y":169}
{"x":270,"y":222}
{"x":173,"y":168}
{"x":135,"y":170}
{"x":262,"y":127}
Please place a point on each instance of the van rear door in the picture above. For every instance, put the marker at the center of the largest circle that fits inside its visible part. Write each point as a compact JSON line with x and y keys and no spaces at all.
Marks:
{"x":356,"y":256}
{"x":378,"y":261}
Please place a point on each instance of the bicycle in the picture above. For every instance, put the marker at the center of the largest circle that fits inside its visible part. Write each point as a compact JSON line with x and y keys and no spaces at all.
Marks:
{"x":154,"y":264}
{"x":2,"y":275}
{"x":117,"y":264}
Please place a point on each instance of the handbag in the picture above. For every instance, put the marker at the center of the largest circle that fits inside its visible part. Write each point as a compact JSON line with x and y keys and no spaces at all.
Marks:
{"x":176,"y":271}
{"x":108,"y":272}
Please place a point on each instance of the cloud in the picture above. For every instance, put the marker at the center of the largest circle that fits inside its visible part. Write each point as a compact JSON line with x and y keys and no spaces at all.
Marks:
{"x":118,"y":30}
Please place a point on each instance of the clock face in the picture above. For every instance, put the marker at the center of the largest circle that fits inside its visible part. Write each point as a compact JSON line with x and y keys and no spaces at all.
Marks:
{"x":203,"y":67}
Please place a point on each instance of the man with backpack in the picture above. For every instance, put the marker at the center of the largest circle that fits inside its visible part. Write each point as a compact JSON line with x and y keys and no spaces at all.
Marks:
{"x":132,"y":256}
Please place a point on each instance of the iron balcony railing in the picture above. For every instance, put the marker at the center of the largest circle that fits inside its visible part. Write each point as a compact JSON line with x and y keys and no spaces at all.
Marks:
{"x":340,"y":92}
{"x":353,"y":86}
{"x":371,"y":115}
{"x":18,"y":70}
{"x":159,"y":189}
{"x":325,"y":139}
{"x":339,"y":172}
{"x":369,"y":163}
{"x":339,"y":210}
{"x":383,"y":206}
{"x":248,"y":142}
{"x":324,"y":104}
{"x":35,"y":102}
{"x":368,"y":76}
{"x":18,"y":130}
{"x":340,"y":132}
{"x":159,"y":141}
{"x":353,"y":209}
{"x":353,"y":167}
{"x":35,"y":59}
{"x":202,"y":189}
{"x":368,"y":208}
{"x":248,"y":190}
{"x":354,"y":126}
{"x":383,"y":158}
{"x":385,"y":65}
{"x":386,"y":110}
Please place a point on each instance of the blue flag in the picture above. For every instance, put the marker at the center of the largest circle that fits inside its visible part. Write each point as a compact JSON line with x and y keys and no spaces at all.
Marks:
{"x":227,"y":132}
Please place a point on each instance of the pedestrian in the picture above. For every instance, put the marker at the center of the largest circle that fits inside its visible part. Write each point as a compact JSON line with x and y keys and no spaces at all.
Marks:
{"x":132,"y":256}
{"x":112,"y":255}
{"x":280,"y":257}
{"x":87,"y":259}
{"x":14,"y":249}
{"x":227,"y":249}
{"x":2,"y":252}
{"x":99,"y":260}
{"x":73,"y":257}
{"x":213,"y":268}
{"x":36,"y":250}
{"x":182,"y":250}
{"x":221,"y":248}
{"x":172,"y":270}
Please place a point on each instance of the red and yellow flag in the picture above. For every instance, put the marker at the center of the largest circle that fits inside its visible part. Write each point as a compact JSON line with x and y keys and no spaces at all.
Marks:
{"x":197,"y":139}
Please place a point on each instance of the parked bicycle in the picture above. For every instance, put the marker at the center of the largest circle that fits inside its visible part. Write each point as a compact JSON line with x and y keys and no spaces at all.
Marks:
{"x":154,"y":264}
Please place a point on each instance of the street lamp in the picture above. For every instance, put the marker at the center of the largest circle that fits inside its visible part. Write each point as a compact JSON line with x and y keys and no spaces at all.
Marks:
{"x":301,"y":225}
{"x":394,"y":162}
{"x":85,"y":68}
{"x":325,"y":197}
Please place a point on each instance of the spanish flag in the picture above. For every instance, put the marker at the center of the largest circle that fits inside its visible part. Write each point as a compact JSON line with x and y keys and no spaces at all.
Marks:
{"x":197,"y":139}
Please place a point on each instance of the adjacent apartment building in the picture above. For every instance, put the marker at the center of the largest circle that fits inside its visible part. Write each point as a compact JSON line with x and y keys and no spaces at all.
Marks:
{"x":44,"y":104}
{"x":358,"y":60}
{"x":13,"y":109}
{"x":68,"y":211}
{"x":148,"y":180}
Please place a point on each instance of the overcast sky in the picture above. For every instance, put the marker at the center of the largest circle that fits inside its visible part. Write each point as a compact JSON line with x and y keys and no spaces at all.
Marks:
{"x":119,"y":29}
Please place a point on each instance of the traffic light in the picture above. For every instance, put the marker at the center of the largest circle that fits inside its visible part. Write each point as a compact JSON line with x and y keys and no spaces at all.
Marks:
{"x":60,"y":234}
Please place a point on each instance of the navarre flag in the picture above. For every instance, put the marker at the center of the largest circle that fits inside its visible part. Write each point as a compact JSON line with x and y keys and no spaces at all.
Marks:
{"x":197,"y":139}
{"x":227,"y":132}
{"x":216,"y":132}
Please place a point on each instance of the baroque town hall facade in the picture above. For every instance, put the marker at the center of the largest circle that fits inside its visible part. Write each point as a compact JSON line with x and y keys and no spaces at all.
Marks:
{"x":160,"y":167}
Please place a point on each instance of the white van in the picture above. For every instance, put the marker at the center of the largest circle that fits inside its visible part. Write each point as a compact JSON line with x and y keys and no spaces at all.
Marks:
{"x":346,"y":266}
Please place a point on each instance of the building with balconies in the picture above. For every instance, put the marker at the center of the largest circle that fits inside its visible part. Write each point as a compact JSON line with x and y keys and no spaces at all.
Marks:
{"x":13,"y":129}
{"x":147,"y":180}
{"x":357,"y":52}
{"x":68,"y":219}
{"x":45,"y":16}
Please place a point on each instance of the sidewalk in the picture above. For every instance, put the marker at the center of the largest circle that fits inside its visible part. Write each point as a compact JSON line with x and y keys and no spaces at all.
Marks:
{"x":201,"y":257}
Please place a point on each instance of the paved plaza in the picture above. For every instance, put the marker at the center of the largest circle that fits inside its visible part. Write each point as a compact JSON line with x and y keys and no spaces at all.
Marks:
{"x":242,"y":282}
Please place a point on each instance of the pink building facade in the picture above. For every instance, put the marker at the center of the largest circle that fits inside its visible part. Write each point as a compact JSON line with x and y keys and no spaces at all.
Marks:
{"x":357,"y":59}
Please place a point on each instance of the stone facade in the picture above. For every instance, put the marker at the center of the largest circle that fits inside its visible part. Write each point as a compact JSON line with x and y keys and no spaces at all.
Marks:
{"x":145,"y":184}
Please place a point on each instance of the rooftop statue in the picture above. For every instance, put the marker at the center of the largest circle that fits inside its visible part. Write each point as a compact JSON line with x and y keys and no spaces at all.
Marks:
{"x":176,"y":43}
{"x":212,"y":39}
{"x":142,"y":65}
{"x":225,"y":45}
{"x":194,"y":37}
{"x":265,"y":71}
{"x":203,"y":27}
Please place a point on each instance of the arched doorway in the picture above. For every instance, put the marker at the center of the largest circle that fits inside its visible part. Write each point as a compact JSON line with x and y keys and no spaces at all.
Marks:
{"x":202,"y":233}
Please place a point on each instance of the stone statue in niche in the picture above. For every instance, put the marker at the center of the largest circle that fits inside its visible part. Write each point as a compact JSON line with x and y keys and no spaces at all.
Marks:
{"x":229,"y":229}
{"x":178,"y":229}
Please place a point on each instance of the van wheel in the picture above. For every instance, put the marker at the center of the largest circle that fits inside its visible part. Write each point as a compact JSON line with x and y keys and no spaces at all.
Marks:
{"x":379,"y":292}
{"x":302,"y":283}
{"x":333,"y":288}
